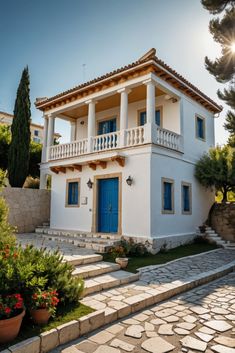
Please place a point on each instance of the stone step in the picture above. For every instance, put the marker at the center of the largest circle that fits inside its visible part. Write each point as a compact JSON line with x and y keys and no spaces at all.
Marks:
{"x":77,"y":260}
{"x":98,"y":245}
{"x":108,"y":281}
{"x":210,"y":232}
{"x":75,"y":234}
{"x":97,"y":269}
{"x":214,"y":236}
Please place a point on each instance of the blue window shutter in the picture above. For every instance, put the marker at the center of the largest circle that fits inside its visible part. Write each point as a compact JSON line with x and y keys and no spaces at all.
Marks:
{"x":167,"y":196}
{"x":73,"y":193}
{"x":142,"y":118}
{"x":186,"y":198}
{"x":200,"y":128}
{"x":158,"y":117}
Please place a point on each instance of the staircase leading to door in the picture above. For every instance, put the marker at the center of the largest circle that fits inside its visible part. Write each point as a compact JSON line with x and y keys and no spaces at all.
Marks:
{"x":98,"y":242}
{"x":99,"y":275}
{"x":211,"y":235}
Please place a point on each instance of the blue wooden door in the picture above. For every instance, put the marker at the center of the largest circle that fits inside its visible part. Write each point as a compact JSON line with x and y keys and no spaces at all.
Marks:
{"x":108,"y":205}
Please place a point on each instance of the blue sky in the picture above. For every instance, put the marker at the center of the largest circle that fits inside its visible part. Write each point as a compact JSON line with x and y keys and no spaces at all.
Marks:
{"x":55,"y":38}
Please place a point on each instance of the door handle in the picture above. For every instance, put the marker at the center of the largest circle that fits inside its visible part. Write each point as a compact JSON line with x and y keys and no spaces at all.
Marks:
{"x":110,"y":208}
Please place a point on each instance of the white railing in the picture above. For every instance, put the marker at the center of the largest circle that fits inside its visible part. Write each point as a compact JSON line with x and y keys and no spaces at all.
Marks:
{"x":106,"y":142}
{"x":135,"y":136}
{"x":66,"y":150}
{"x":168,"y":139}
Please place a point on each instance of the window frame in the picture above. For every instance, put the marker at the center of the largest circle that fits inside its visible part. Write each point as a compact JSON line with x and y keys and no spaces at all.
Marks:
{"x":184,"y":183}
{"x":160,"y":107}
{"x":107,"y":118}
{"x":172,"y":182}
{"x":75,"y":180}
{"x":197,"y":116}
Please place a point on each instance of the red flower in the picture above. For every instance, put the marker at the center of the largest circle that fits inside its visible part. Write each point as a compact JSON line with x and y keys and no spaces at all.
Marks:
{"x":18,"y":305}
{"x":7,"y":310}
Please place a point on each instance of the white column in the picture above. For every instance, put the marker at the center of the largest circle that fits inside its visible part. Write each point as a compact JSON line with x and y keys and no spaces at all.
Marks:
{"x":73,"y":130}
{"x":44,"y":142}
{"x":150,"y":102}
{"x":150,"y":127}
{"x":91,"y":124}
{"x":50,"y":134}
{"x":123,"y":114}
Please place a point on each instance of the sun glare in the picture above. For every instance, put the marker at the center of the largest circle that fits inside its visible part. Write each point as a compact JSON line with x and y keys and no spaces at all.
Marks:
{"x":232,"y":47}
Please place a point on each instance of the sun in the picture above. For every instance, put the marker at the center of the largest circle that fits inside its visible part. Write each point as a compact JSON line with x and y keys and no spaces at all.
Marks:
{"x":232,"y":47}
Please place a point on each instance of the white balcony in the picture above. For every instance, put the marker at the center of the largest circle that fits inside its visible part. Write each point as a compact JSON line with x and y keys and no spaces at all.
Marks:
{"x":111,"y":141}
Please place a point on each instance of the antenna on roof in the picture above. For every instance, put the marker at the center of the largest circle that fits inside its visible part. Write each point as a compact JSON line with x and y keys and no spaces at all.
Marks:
{"x":84,"y":72}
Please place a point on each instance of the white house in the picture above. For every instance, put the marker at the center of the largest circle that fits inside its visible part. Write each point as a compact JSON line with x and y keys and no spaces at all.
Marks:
{"x":136,"y":134}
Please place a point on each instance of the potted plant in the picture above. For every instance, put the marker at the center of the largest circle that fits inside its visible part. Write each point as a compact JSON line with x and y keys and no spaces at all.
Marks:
{"x":119,"y":253}
{"x":202,"y":228}
{"x":43,"y":305}
{"x":11,"y":315}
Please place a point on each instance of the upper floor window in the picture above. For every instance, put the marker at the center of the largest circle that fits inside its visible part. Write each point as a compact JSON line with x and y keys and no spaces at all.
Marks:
{"x":72,"y":192}
{"x":167,"y":195}
{"x":200,"y":127}
{"x":158,"y":117}
{"x":186,"y":190}
{"x":107,"y":126}
{"x":36,"y":132}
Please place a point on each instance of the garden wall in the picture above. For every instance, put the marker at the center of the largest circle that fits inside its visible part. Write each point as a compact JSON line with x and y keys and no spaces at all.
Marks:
{"x":223,"y":220}
{"x":28,"y":208}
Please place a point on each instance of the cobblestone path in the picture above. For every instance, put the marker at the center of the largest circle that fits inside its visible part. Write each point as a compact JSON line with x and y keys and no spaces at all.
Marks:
{"x":201,"y":320}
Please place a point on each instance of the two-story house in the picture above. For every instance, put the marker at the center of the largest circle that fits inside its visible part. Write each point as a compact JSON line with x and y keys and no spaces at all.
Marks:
{"x":136,"y":134}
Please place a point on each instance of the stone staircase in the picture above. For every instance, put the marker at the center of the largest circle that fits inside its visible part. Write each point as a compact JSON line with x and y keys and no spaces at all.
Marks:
{"x":99,"y":275}
{"x":211,"y":235}
{"x":100,"y":243}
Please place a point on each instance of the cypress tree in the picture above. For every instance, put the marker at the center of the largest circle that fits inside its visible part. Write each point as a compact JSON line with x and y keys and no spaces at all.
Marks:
{"x":18,"y":157}
{"x":223,"y":68}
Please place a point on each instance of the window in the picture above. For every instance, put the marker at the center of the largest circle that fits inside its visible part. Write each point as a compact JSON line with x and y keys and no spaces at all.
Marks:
{"x":107,"y":126}
{"x":37,"y":139}
{"x":72,"y":192}
{"x":200,"y":128}
{"x":167,"y":195}
{"x":186,"y":190}
{"x":158,"y":117}
{"x":36,"y":132}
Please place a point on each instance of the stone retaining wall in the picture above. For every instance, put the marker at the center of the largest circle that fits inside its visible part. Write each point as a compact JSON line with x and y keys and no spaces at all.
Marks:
{"x":28,"y":208}
{"x":222,"y":220}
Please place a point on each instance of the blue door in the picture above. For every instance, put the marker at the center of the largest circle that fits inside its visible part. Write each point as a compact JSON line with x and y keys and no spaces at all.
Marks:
{"x":108,"y":205}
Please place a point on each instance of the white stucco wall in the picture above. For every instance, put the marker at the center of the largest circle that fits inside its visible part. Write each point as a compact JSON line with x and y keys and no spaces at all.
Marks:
{"x":135,"y":198}
{"x":176,"y":223}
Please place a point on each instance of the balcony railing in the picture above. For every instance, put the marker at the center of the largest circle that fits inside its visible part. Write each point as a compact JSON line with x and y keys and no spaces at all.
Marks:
{"x":133,"y":137}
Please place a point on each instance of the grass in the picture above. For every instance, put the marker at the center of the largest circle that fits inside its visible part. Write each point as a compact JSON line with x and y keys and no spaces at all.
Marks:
{"x":163,"y":257}
{"x":64,"y":314}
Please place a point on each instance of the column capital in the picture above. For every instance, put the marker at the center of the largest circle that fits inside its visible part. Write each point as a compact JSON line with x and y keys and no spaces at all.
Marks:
{"x":149,"y":81}
{"x":124,"y":89}
{"x":90,"y":101}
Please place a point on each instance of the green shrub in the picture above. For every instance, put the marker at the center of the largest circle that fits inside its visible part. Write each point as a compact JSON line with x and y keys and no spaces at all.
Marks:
{"x":6,"y":230}
{"x":29,"y":270}
{"x":129,"y":248}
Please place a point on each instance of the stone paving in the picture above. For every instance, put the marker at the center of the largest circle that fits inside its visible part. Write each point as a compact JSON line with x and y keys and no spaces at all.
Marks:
{"x":155,"y":280}
{"x":201,"y":320}
{"x":38,"y":241}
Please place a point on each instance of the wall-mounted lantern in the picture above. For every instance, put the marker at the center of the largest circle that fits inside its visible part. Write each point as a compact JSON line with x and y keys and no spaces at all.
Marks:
{"x":89,"y":184}
{"x":129,"y":180}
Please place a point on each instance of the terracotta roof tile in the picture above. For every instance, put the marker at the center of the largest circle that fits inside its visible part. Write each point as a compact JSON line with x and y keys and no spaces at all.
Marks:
{"x":148,"y":57}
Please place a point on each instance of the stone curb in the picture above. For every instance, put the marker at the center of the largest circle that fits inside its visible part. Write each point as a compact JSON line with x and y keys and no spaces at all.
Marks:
{"x":152,"y":267}
{"x":86,"y":324}
{"x":62,"y":334}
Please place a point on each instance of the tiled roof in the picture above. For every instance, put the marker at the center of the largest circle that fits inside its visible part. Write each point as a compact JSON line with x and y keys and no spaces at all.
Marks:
{"x":168,"y":74}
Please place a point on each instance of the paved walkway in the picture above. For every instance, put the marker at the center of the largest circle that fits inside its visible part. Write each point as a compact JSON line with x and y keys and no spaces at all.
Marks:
{"x":38,"y":241}
{"x":156,"y":279}
{"x":201,"y":320}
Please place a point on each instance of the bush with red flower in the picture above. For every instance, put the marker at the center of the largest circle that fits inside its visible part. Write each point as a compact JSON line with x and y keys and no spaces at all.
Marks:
{"x":10,"y":305}
{"x":45,"y":300}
